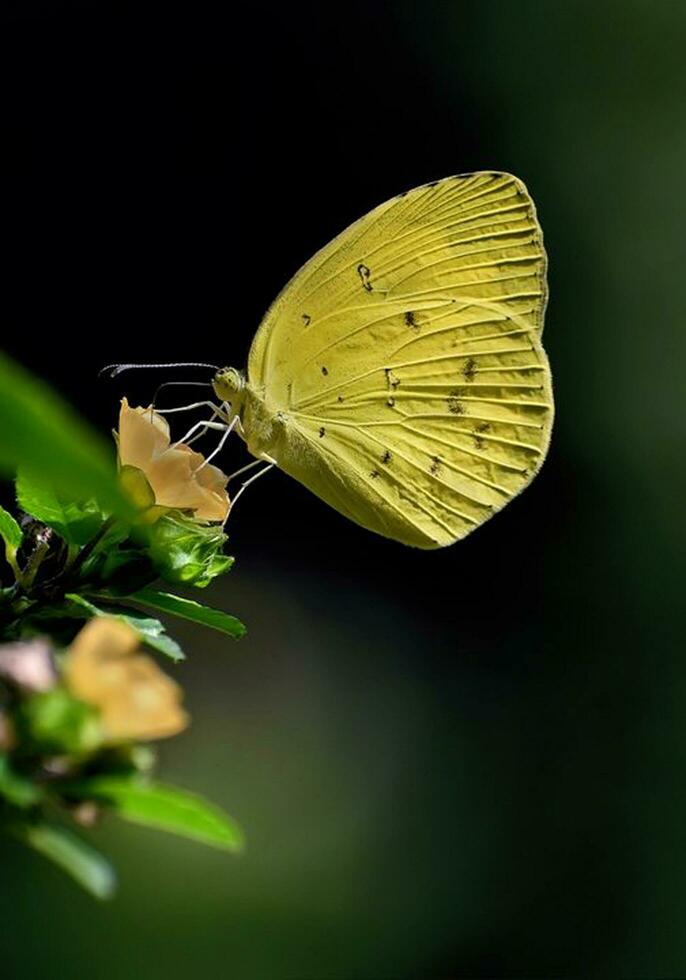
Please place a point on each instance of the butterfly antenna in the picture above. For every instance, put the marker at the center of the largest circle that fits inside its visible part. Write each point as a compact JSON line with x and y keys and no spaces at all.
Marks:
{"x":112,"y":370}
{"x":187,"y":384}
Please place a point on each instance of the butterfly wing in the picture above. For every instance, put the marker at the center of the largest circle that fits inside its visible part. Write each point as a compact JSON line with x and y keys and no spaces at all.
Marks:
{"x":406,"y":359}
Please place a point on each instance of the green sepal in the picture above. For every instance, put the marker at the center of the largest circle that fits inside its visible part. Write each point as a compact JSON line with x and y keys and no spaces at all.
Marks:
{"x":184,"y":551}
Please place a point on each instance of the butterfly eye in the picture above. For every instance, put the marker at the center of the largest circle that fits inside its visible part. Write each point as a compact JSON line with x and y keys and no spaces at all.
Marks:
{"x":228,"y":384}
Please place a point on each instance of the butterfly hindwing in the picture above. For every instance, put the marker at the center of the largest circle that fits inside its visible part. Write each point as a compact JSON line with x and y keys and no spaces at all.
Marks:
{"x":406,"y":356}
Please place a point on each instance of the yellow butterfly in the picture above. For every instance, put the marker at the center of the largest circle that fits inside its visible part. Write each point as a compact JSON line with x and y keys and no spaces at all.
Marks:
{"x":400,"y":374}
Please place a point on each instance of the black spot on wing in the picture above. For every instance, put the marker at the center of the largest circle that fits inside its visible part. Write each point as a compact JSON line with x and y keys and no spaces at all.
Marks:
{"x":322,"y":432}
{"x":469,"y":369}
{"x":455,"y":406}
{"x":410,"y":320}
{"x":364,"y":273}
{"x":480,"y":428}
{"x":387,"y":457}
{"x":325,"y":371}
{"x":307,"y":319}
{"x":391,"y":381}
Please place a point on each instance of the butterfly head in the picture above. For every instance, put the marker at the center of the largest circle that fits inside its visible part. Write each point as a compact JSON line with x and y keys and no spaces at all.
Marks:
{"x":229,"y":386}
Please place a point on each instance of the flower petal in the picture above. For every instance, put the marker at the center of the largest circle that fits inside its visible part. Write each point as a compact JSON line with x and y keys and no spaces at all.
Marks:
{"x":143,"y":434}
{"x":173,"y":477}
{"x":178,"y":476}
{"x":135,"y":698}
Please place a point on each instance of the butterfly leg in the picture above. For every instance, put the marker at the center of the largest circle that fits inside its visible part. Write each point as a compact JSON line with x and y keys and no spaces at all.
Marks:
{"x":252,"y":479}
{"x":227,"y":432}
{"x":239,"y":427}
{"x":199,"y":429}
{"x":235,"y":421}
{"x":250,"y":466}
{"x":217,"y":409}
{"x":196,"y":431}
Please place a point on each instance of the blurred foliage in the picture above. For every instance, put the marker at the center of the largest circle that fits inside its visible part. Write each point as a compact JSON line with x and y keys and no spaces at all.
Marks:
{"x":39,"y":432}
{"x":59,"y":716}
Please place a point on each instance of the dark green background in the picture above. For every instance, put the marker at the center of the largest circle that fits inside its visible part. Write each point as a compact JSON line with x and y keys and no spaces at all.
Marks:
{"x":469,"y":763}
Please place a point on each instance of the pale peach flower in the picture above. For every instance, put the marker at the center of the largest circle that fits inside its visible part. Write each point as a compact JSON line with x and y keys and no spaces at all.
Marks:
{"x":136,"y":700}
{"x":176,"y":473}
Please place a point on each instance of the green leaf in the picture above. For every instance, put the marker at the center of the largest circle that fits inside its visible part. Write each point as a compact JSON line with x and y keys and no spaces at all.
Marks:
{"x":39,"y":432}
{"x":85,"y":865}
{"x":16,"y":789}
{"x":57,"y":723}
{"x":165,"y":808}
{"x":9,"y":529}
{"x":153,"y":634}
{"x":196,"y":612}
{"x":12,"y":535}
{"x":185,"y":551}
{"x":151,"y":631}
{"x":76,"y":523}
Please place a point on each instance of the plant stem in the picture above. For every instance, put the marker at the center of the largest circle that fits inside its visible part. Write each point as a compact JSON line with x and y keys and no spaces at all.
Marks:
{"x":36,"y":559}
{"x":75,"y":566}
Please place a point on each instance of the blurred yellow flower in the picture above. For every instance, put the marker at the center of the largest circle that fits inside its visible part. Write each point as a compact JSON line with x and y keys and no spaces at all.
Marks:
{"x":136,"y":700}
{"x":178,"y":476}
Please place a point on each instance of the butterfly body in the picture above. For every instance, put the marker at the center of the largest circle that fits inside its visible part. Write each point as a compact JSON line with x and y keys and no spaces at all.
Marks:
{"x":400,"y":374}
{"x":261,"y":425}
